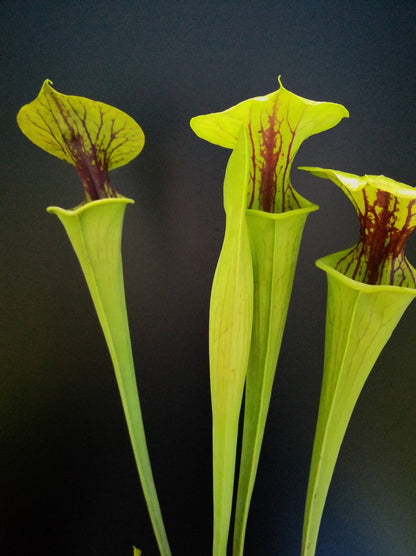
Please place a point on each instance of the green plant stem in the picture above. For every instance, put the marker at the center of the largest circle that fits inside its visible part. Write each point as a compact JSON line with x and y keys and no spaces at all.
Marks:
{"x":360,"y":320}
{"x":95,"y":233}
{"x":231,"y":313}
{"x":274,"y":242}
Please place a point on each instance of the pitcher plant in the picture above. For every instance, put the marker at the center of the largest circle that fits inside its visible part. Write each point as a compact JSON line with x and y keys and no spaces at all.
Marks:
{"x":370,"y":286}
{"x":96,"y":138}
{"x":250,"y":294}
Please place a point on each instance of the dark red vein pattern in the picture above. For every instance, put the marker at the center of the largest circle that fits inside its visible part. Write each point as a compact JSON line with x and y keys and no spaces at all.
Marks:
{"x":271,"y":141}
{"x":379,"y":256}
{"x":93,"y":136}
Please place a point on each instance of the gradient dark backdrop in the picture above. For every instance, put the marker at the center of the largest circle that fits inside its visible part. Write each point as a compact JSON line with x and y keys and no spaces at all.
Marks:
{"x":68,"y":482}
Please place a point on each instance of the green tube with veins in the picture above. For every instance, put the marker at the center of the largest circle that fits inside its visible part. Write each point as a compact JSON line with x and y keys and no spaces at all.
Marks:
{"x":230,"y":325}
{"x":265,"y":133}
{"x":95,"y":138}
{"x":275,"y":241}
{"x":369,"y":287}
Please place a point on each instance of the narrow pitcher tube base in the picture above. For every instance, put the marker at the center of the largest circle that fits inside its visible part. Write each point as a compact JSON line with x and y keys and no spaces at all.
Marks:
{"x":274,"y":242}
{"x":360,"y":321}
{"x":95,"y":230}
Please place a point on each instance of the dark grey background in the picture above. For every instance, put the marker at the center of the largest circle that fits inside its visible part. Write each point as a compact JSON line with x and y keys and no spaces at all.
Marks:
{"x":68,"y":483}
